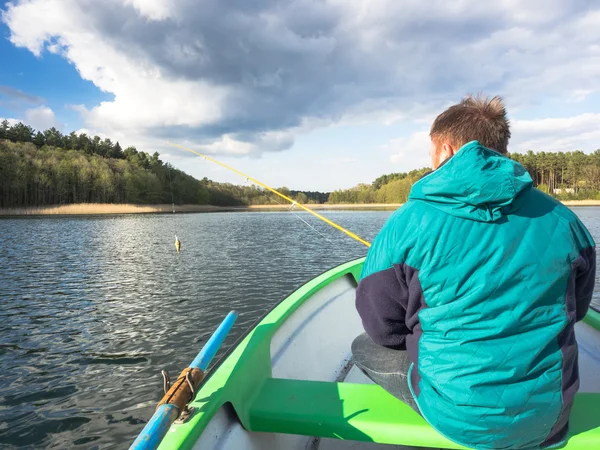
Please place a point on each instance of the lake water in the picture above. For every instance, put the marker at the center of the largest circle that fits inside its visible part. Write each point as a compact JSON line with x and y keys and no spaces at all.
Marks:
{"x":92,"y":308}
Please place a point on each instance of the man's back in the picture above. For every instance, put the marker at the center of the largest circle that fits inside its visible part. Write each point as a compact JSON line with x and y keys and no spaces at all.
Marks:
{"x":489,"y":272}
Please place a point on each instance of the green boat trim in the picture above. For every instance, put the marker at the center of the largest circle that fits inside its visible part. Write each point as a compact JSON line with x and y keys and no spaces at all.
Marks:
{"x":593,"y":319}
{"x":359,"y":412}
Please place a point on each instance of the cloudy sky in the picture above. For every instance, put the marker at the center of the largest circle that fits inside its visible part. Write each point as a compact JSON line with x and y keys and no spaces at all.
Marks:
{"x":314,"y":95}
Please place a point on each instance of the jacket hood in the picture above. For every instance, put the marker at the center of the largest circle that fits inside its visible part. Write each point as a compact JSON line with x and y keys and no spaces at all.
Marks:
{"x":476,"y":183}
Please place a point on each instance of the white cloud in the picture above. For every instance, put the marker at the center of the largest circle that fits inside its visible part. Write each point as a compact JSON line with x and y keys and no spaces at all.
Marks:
{"x":152,"y":9}
{"x":397,"y":157}
{"x":228,"y":145}
{"x":410,"y":152}
{"x":564,"y":134}
{"x":144,"y":96}
{"x":342,"y":161}
{"x":10,"y":121}
{"x":242,"y":78}
{"x":579,"y":132}
{"x":41,"y":118}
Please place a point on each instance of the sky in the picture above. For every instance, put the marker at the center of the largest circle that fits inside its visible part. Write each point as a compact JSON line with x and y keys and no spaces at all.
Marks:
{"x":312,"y":95}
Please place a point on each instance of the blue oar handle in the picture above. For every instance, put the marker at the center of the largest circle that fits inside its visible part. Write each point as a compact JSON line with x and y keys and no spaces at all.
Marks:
{"x":208,"y":352}
{"x":155,"y":430}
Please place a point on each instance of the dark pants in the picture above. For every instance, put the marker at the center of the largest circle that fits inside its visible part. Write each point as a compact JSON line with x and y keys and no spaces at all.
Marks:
{"x":386,"y":367}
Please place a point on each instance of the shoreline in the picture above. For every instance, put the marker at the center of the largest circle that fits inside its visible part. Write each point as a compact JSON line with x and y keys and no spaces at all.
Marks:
{"x":109,"y":208}
{"x":581,"y":202}
{"x":112,"y":208}
{"x":330,"y":206}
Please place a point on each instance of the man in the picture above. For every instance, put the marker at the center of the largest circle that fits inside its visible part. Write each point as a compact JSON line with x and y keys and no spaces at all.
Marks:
{"x":470,"y":292}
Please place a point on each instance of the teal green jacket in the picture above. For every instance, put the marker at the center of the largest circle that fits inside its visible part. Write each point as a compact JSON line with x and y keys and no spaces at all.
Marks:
{"x":481,"y":278}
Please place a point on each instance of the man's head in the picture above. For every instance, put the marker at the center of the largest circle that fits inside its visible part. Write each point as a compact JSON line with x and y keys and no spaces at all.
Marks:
{"x":474,"y":118}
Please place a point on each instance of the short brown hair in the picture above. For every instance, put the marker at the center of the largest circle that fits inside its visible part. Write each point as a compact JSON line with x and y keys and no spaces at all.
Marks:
{"x":474,"y":119}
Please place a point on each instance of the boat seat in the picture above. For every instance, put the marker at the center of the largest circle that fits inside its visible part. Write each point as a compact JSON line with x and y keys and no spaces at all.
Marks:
{"x":366,"y":412}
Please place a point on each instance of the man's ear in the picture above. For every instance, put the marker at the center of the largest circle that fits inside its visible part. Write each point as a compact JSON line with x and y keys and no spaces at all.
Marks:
{"x":447,"y":151}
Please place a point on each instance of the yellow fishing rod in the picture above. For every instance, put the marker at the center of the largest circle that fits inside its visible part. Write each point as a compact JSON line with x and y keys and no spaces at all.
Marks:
{"x":276,"y":192}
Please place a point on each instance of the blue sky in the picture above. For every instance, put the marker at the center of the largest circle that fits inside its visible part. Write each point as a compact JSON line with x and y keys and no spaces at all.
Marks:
{"x":50,"y":77}
{"x":311,"y":95}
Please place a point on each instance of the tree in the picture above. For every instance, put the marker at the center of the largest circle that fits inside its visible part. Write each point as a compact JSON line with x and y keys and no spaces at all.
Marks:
{"x":575,"y":167}
{"x":83,"y":143}
{"x":131,"y":150}
{"x":4,"y":126}
{"x":595,"y":158}
{"x":302,"y":198}
{"x":39,"y":140}
{"x":284,"y":190}
{"x":71,"y":141}
{"x":155,"y":160}
{"x":21,"y":133}
{"x":117,"y":151}
{"x":54,"y":137}
{"x":105,"y":148}
{"x":94,"y":145}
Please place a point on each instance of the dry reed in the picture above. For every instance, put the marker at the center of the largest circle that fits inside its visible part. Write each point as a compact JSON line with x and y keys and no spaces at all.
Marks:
{"x":107,"y":208}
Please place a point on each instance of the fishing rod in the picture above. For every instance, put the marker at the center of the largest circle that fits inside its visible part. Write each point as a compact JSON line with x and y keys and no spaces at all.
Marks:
{"x":275,"y":191}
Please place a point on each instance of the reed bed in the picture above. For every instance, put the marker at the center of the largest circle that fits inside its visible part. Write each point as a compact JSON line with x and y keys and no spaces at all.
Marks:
{"x":107,"y":208}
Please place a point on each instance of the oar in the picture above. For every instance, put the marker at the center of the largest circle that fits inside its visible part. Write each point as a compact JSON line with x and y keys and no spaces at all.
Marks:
{"x":182,"y":390}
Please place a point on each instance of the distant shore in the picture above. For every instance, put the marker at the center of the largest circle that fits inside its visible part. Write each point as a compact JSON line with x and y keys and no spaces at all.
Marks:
{"x":338,"y":206}
{"x":109,"y":208}
{"x":387,"y":206}
{"x":581,"y":202}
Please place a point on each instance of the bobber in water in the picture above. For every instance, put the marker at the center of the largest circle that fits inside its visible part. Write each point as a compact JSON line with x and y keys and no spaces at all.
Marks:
{"x":177,"y":244}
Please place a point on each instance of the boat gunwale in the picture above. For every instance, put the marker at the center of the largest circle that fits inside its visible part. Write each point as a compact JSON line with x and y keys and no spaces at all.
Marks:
{"x":213,"y":368}
{"x":592,"y":318}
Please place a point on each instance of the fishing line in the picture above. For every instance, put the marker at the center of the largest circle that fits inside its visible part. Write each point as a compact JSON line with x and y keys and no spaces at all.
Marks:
{"x":171,"y":189}
{"x":274,"y":191}
{"x":295,"y":214}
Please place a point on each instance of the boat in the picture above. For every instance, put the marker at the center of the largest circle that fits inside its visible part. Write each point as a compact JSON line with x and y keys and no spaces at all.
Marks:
{"x":289,"y":383}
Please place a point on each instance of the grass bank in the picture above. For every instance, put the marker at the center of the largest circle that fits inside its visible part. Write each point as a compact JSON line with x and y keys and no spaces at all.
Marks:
{"x":110,"y":208}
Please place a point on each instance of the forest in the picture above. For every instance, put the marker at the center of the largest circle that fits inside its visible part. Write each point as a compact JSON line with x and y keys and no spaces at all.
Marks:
{"x":49,"y":168}
{"x":565,"y":175}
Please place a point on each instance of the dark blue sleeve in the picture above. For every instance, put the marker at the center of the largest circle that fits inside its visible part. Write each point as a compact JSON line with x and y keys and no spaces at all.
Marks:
{"x":585,"y":281}
{"x":379,"y":301}
{"x":382,"y":295}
